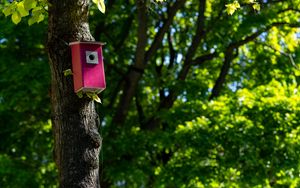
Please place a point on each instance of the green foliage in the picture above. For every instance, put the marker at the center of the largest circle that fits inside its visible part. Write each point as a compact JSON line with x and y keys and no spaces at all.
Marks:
{"x":25,"y":128}
{"x":19,"y":9}
{"x":247,"y":137}
{"x":246,"y":140}
{"x":238,"y":140}
{"x":232,"y":7}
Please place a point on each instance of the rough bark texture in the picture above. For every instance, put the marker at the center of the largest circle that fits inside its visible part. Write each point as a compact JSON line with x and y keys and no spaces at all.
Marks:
{"x":75,"y":126}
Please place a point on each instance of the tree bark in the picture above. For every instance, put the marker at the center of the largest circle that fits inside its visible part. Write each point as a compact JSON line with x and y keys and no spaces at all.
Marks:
{"x":77,"y":142}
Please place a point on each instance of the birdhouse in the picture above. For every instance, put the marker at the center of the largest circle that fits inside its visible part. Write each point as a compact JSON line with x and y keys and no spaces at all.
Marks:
{"x":87,"y":67}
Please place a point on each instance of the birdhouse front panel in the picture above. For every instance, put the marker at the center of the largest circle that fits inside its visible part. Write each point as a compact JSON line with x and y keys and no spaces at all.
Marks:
{"x":88,"y":68}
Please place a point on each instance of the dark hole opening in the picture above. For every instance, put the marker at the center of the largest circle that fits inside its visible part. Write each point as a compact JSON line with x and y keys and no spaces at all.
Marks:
{"x":91,"y":57}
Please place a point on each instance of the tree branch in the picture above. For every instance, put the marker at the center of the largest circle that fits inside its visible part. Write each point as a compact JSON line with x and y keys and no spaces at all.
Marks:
{"x":141,"y":58}
{"x":256,"y":34}
{"x":224,"y":71}
{"x":286,"y":54}
{"x":229,"y":56}
{"x":171,"y":50}
{"x":168,"y":101}
{"x":166,"y":25}
{"x":141,"y":33}
{"x":200,"y":32}
{"x":140,"y":110}
{"x":202,"y":59}
{"x":114,"y":94}
{"x":135,"y":72}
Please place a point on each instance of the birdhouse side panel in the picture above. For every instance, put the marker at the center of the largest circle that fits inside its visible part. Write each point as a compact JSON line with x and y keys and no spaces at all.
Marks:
{"x":77,"y":68}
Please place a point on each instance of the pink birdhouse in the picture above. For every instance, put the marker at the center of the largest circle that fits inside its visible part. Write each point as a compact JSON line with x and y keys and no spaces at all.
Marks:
{"x":88,"y":68}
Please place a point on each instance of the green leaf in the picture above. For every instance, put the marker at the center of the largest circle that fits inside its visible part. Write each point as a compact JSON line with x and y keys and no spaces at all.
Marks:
{"x":36,"y":10}
{"x":31,"y":21}
{"x":23,"y":12}
{"x":7,"y":11}
{"x":68,"y":72}
{"x":16,"y":17}
{"x":256,"y":6}
{"x":29,"y":4}
{"x":232,"y":7}
{"x":96,"y":98}
{"x":80,"y":94}
{"x":40,"y":18}
{"x":100,"y":5}
{"x":36,"y":18}
{"x":90,"y":95}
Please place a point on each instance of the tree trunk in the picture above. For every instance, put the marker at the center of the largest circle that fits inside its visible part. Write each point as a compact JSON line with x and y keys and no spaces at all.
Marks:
{"x":77,"y":142}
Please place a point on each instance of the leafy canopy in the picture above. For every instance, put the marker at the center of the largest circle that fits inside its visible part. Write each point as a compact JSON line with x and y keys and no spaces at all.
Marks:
{"x":175,"y":134}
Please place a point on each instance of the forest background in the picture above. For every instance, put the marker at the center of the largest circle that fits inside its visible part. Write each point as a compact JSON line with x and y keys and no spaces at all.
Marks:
{"x":198,"y":95}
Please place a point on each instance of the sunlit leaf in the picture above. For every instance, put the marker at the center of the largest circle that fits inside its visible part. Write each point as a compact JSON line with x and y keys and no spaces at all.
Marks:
{"x":256,"y":6}
{"x":232,"y":7}
{"x":20,"y":7}
{"x":96,"y":98}
{"x":30,"y":4}
{"x":100,"y":4}
{"x":31,"y":21}
{"x":16,"y":17}
{"x":68,"y":72}
{"x":93,"y":96}
{"x":7,"y":11}
{"x":41,"y":17}
{"x":37,"y":16}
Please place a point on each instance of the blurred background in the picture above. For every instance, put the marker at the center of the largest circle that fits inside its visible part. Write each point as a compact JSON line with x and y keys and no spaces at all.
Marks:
{"x":212,"y":101}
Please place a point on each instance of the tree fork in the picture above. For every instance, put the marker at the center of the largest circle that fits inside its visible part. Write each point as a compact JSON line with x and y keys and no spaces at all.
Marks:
{"x":77,"y":142}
